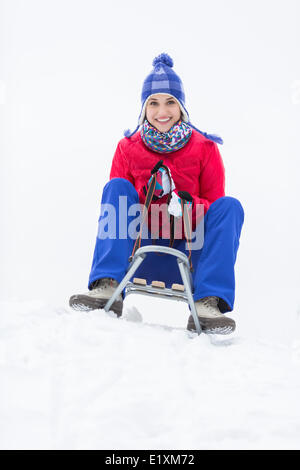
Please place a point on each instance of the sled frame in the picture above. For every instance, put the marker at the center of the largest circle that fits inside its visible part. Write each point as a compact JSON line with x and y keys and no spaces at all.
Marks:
{"x":166,"y":293}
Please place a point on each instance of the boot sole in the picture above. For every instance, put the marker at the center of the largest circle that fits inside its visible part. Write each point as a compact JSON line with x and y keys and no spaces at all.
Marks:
{"x":86,"y":304}
{"x":215,"y":326}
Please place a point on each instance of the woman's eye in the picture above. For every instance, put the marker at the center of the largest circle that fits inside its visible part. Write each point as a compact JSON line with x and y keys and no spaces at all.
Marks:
{"x":168,"y":102}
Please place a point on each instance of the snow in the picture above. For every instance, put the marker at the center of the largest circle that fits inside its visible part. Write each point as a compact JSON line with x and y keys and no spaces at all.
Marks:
{"x":70,"y":82}
{"x":72,"y":380}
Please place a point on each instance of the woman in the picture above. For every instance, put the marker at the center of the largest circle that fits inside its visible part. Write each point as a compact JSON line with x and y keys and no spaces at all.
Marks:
{"x":193,"y":173}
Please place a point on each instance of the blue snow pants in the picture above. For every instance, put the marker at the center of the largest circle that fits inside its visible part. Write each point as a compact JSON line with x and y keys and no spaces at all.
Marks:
{"x":213,"y":264}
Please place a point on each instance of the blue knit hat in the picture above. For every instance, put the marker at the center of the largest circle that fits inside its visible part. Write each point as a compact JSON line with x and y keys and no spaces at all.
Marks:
{"x":163,"y":79}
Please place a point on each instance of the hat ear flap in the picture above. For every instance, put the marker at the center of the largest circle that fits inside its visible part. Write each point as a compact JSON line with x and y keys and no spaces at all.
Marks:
{"x":214,"y":137}
{"x":143,"y":112}
{"x":127,"y":133}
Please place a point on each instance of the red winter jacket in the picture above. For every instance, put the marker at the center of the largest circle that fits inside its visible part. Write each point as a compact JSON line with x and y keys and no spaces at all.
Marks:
{"x":197,"y":168}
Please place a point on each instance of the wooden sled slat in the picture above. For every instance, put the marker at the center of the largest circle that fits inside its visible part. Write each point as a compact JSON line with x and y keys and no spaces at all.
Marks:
{"x":179,"y":287}
{"x":139,"y":281}
{"x":159,"y":284}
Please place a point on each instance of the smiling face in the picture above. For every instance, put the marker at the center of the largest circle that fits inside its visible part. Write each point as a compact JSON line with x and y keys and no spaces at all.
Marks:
{"x":162,"y":111}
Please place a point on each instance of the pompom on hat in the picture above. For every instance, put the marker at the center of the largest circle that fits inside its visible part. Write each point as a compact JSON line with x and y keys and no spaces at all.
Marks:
{"x":163,"y":79}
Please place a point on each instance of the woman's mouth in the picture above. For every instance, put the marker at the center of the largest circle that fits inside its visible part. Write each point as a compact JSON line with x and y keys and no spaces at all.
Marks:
{"x":163,"y":121}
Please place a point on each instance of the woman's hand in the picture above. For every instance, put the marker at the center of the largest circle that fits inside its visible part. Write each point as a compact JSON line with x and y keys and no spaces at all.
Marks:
{"x":177,"y":198}
{"x":162,"y":186}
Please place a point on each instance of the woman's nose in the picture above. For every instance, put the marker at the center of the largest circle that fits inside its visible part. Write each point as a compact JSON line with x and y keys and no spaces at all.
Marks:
{"x":162,"y":111}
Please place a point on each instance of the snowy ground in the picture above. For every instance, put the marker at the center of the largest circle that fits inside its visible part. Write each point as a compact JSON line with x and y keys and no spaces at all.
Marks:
{"x":72,"y":380}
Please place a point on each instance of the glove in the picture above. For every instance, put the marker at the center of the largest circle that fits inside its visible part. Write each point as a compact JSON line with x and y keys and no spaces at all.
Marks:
{"x":174,"y":207}
{"x":162,"y":186}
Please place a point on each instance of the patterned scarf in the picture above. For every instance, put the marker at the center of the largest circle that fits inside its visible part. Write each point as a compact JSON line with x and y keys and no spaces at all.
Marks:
{"x":165,"y":142}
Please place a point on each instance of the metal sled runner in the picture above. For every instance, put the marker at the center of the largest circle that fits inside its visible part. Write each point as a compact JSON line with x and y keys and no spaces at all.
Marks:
{"x":157,"y":289}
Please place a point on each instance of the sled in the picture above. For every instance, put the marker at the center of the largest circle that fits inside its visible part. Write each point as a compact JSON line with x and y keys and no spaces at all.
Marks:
{"x":181,"y":292}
